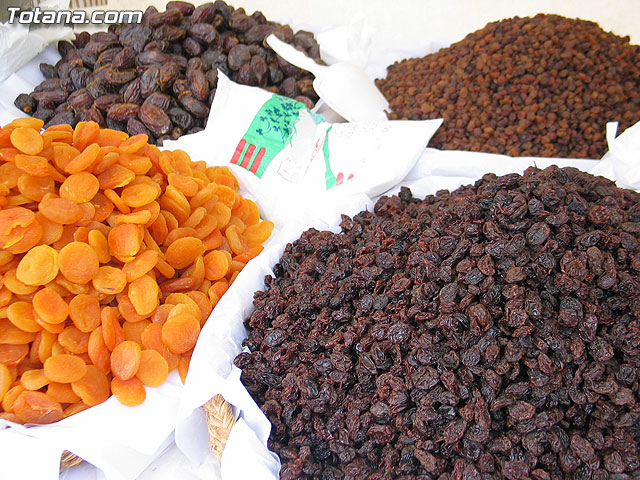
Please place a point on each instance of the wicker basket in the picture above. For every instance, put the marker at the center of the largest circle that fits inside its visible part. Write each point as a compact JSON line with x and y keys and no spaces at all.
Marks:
{"x":220,"y":421}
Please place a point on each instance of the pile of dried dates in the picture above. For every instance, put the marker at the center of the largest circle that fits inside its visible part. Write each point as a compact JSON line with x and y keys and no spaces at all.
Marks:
{"x":159,"y":77}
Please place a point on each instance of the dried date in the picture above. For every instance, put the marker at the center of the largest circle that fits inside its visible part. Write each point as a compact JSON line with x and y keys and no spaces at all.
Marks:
{"x":121,"y":112}
{"x":155,"y":119}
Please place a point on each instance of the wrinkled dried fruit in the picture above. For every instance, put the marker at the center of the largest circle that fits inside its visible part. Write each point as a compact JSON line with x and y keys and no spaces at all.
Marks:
{"x":466,"y":335}
{"x":175,"y":52}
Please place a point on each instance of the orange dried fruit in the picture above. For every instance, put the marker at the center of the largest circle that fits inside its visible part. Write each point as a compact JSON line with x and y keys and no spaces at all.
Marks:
{"x":37,"y":407}
{"x":115,"y":176}
{"x":222,"y":213}
{"x":62,"y":392}
{"x":129,"y":392}
{"x":125,"y":359}
{"x":12,"y":394}
{"x":44,"y":341}
{"x":180,"y":333}
{"x":32,"y":164}
{"x":28,"y":140}
{"x":133,"y":144}
{"x":259,"y":232}
{"x":29,"y":237}
{"x":183,"y":252}
{"x":108,"y":136}
{"x":143,"y":263}
{"x":84,"y":310}
{"x":183,"y":366}
{"x":111,"y":329}
{"x":109,"y":280}
{"x":75,"y":257}
{"x":128,"y":311}
{"x":138,"y":164}
{"x":74,"y":408}
{"x":80,"y":187}
{"x":216,"y":265}
{"x":13,"y":335}
{"x":78,"y":262}
{"x":5,"y":380}
{"x":35,"y":188}
{"x":178,"y":233}
{"x":153,"y":369}
{"x":16,"y":286}
{"x":64,"y":368}
{"x":60,"y":210}
{"x":162,"y":313}
{"x":185,"y":184}
{"x":237,"y":241}
{"x":33,"y":379}
{"x":152,"y":337}
{"x":84,"y":133}
{"x":133,"y":330}
{"x":21,"y":315}
{"x":104,"y":207}
{"x":84,"y":160}
{"x":124,"y":241}
{"x":98,"y":241}
{"x":12,"y":355}
{"x":143,"y":293}
{"x":136,"y":218}
{"x":213,"y":240}
{"x":28,"y":122}
{"x":38,"y":266}
{"x":73,"y":340}
{"x":98,"y":352}
{"x":196,"y":218}
{"x":139,"y":195}
{"x":13,"y":218}
{"x":94,"y":388}
{"x":226,"y":195}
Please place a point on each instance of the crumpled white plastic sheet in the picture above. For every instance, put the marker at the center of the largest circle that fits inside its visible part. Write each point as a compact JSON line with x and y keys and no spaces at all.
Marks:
{"x":20,"y":43}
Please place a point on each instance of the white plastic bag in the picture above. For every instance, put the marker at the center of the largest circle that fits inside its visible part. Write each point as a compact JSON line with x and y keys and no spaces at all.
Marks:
{"x":20,"y":43}
{"x":293,"y":161}
{"x":622,"y":162}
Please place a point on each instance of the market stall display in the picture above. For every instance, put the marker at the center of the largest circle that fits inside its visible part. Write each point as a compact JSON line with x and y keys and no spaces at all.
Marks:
{"x":490,"y":331}
{"x":113,"y":255}
{"x":487,"y":331}
{"x":542,"y":86}
{"x":159,"y":77}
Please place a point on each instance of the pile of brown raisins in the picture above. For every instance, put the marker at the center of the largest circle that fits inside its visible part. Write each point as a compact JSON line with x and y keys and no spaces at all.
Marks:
{"x":159,"y":77}
{"x":491,"y":332}
{"x":543,"y":86}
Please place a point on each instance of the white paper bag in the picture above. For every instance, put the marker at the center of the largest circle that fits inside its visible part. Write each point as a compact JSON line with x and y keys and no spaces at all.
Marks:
{"x":294,"y":162}
{"x":622,"y":162}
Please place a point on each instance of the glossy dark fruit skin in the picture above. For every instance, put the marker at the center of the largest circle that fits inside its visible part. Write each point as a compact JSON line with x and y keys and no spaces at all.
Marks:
{"x":176,"y":53}
{"x":490,"y":332}
{"x":541,"y":86}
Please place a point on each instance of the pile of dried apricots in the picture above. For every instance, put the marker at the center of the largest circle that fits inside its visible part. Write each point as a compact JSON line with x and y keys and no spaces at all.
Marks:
{"x":112,"y":255}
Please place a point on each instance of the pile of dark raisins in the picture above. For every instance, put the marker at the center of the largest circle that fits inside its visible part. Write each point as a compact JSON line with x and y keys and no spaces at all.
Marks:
{"x":543,"y":86}
{"x":159,"y":77}
{"x":491,"y":332}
